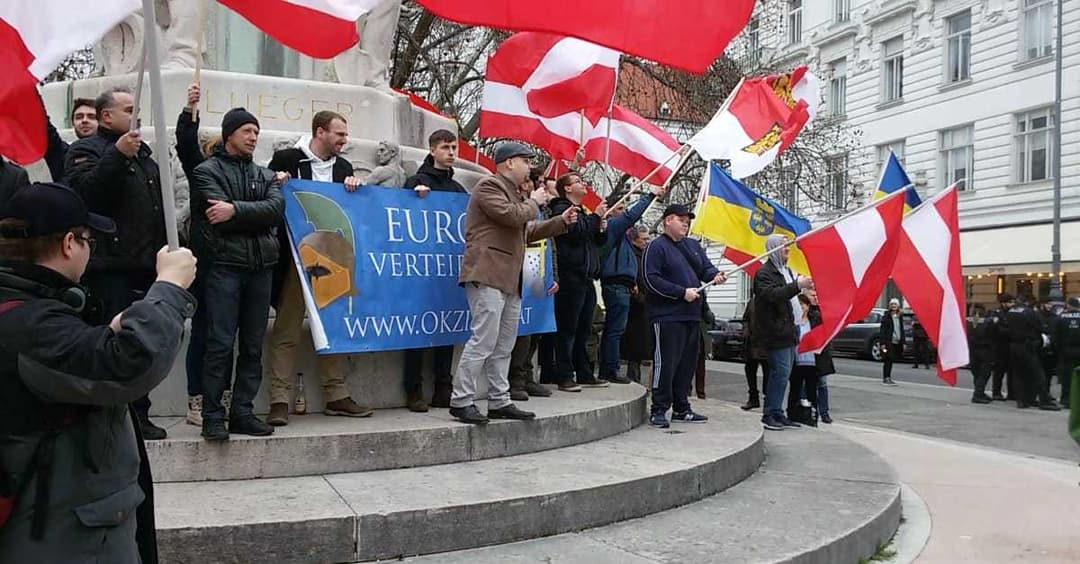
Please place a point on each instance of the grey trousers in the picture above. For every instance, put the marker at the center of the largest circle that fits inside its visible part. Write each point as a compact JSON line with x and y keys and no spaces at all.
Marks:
{"x":487,"y":353}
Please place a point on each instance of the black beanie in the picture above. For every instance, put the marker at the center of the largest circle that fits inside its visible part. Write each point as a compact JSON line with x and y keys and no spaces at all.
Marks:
{"x":235,"y":119}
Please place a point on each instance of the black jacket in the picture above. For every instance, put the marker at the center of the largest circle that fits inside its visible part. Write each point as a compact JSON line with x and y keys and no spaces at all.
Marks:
{"x":999,"y":326}
{"x":187,"y":143}
{"x":248,"y":240}
{"x":128,"y":191}
{"x":579,"y":248}
{"x":1067,"y":335}
{"x":774,"y":322}
{"x":67,"y":384}
{"x":438,"y":180}
{"x":885,"y":332}
{"x":55,"y":151}
{"x":12,"y":179}
{"x":1026,"y":327}
{"x":823,"y":359}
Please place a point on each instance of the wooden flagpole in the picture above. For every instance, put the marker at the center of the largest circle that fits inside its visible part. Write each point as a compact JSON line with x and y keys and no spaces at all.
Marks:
{"x":138,"y":90}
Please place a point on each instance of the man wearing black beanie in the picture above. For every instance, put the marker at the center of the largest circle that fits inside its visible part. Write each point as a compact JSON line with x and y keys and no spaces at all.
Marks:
{"x":236,"y":207}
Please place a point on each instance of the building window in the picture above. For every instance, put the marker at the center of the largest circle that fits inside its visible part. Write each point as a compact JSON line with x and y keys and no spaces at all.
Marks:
{"x":836,"y":180}
{"x":892,"y":69}
{"x":1034,"y":140}
{"x":794,"y":22}
{"x":958,"y":156}
{"x":841,"y":10}
{"x":1038,"y":20}
{"x":838,"y":88}
{"x":896,"y":147}
{"x":958,"y":49}
{"x":753,"y":39}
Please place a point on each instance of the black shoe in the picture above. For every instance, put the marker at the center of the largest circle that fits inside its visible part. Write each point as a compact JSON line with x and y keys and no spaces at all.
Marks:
{"x":569,"y":386}
{"x":750,"y":404}
{"x":511,"y":412}
{"x":771,"y":423}
{"x":788,"y":422}
{"x":659,"y":420}
{"x":151,"y":432}
{"x":593,"y":383}
{"x":468,"y":415}
{"x":826,"y":419}
{"x":214,"y":430}
{"x":250,"y":425}
{"x":617,"y":379}
{"x":916,"y":367}
{"x":689,"y":417}
{"x":1022,"y":405}
{"x":981,"y":399}
{"x":1049,"y":406}
{"x":998,"y":397}
{"x":536,"y":390}
{"x":519,"y":395}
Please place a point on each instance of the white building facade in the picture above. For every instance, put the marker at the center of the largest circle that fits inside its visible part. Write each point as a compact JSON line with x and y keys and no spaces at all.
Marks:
{"x":960,"y":90}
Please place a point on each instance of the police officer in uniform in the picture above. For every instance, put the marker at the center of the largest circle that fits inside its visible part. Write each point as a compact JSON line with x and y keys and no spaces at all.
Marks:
{"x":1027,"y":335}
{"x":999,"y":335}
{"x":1067,"y":343}
{"x":981,"y":345}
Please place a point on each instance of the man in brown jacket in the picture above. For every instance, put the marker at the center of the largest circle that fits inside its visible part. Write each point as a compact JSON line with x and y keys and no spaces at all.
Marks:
{"x":497,"y":227}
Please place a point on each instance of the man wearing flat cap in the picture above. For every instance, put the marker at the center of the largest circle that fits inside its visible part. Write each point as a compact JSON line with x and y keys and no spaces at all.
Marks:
{"x":498,"y":224}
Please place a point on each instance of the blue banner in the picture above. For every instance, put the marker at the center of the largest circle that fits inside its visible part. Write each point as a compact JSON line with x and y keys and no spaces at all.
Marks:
{"x":380,"y":268}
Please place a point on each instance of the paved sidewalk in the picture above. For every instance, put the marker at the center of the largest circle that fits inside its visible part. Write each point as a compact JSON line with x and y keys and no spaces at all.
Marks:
{"x":986,"y":505}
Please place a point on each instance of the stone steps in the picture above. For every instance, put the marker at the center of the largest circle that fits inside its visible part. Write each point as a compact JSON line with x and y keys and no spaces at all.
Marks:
{"x":431,"y":509}
{"x":393,"y":438}
{"x":817,"y":498}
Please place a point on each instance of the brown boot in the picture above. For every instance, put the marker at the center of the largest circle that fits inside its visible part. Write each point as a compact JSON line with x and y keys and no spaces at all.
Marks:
{"x":348,"y":408}
{"x":416,"y":402}
{"x":441,"y":396}
{"x":279,"y":414}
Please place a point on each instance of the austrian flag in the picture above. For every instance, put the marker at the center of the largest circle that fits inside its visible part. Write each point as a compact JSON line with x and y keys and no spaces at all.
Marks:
{"x":317,"y":28}
{"x":850,"y":262}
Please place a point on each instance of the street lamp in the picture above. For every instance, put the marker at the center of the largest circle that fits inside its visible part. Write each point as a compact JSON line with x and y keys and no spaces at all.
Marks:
{"x":1056,"y":294}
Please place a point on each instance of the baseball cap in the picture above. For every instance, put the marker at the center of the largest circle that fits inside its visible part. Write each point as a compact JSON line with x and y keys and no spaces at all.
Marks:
{"x":679,"y":210}
{"x":511,"y":149}
{"x":48,"y":207}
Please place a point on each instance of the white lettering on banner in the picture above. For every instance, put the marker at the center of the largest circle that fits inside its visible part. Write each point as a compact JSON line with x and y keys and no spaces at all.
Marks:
{"x":418,"y":226}
{"x":526,"y":315}
{"x":416,"y":265}
{"x":427,"y":323}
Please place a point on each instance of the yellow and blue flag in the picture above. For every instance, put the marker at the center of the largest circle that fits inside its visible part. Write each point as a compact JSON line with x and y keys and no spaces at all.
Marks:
{"x":732,"y":214}
{"x":893,"y":178}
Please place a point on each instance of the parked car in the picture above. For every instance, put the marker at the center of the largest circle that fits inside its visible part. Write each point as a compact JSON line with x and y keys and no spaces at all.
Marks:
{"x":727,"y":339}
{"x":862,"y":339}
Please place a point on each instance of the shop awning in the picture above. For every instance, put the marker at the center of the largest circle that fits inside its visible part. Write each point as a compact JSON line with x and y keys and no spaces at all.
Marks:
{"x":1018,"y":250}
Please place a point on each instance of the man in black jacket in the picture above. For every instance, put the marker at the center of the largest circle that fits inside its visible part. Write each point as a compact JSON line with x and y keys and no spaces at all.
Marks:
{"x":70,"y":451}
{"x":318,"y":158}
{"x":775,"y":304}
{"x":436,"y":173}
{"x":1067,"y":344}
{"x":115,"y":174}
{"x":1028,"y":334}
{"x":999,"y":332}
{"x":12,"y":179}
{"x":891,"y":340}
{"x":981,"y":345}
{"x":575,"y":303}
{"x":236,"y":208}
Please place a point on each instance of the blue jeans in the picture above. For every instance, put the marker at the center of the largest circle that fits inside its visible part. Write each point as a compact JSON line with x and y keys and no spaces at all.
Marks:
{"x":617,"y":302}
{"x":781,"y":361}
{"x":237,"y":307}
{"x":823,"y":395}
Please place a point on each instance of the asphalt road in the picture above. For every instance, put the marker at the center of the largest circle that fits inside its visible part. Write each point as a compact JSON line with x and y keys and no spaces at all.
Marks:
{"x":922,"y":404}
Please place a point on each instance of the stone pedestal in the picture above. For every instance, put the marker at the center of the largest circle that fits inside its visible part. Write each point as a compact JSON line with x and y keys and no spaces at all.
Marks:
{"x":284,"y":108}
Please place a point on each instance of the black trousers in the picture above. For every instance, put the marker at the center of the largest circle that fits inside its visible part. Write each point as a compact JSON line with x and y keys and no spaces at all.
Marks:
{"x":980,"y":370}
{"x":575,"y":305}
{"x":441,"y":362}
{"x":674,"y":364}
{"x":802,"y":385}
{"x":893,"y":353}
{"x":922,"y":352}
{"x":750,"y":368}
{"x":1002,"y":374}
{"x":1028,"y":384}
{"x":115,"y":291}
{"x":521,"y":364}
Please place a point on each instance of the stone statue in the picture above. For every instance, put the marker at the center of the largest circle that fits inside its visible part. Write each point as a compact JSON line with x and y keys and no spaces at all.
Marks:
{"x":864,"y":44}
{"x":924,"y":25}
{"x":368,"y":62}
{"x":118,"y":51}
{"x":389,"y":172}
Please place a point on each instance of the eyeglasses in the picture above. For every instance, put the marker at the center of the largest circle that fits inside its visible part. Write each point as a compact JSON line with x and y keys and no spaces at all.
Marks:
{"x":92,"y":242}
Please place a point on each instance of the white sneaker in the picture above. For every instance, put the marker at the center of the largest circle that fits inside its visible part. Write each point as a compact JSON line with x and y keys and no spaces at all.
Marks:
{"x":194,"y":411}
{"x":226,"y":401}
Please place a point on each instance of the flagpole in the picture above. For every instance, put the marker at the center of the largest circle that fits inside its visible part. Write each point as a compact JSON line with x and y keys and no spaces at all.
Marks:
{"x":682,"y":153}
{"x":141,"y":69}
{"x":153,"y":57}
{"x":199,"y":55}
{"x":791,"y":242}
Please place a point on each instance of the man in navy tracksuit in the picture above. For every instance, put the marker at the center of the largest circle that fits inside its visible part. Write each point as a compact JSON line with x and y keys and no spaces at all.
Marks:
{"x":674,"y":269}
{"x":618,"y":278}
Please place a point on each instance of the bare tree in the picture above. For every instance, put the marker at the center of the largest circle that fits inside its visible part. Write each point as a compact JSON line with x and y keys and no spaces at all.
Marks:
{"x":79,"y":64}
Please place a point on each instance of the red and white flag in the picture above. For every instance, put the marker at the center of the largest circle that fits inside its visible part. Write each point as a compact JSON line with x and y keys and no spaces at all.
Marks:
{"x":637,"y":145}
{"x":929,"y":274}
{"x":850,"y":262}
{"x":317,"y":28}
{"x":690,"y":34}
{"x":763,"y":118}
{"x":35,"y":37}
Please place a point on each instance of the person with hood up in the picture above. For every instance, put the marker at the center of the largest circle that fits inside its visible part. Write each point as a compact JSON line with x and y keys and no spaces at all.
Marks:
{"x":315,"y":158}
{"x":891,"y":340}
{"x":436,"y":173}
{"x":775,"y":306}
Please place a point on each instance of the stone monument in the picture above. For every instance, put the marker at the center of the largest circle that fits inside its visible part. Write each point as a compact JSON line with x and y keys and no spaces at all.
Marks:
{"x":389,"y":172}
{"x":388,"y":135}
